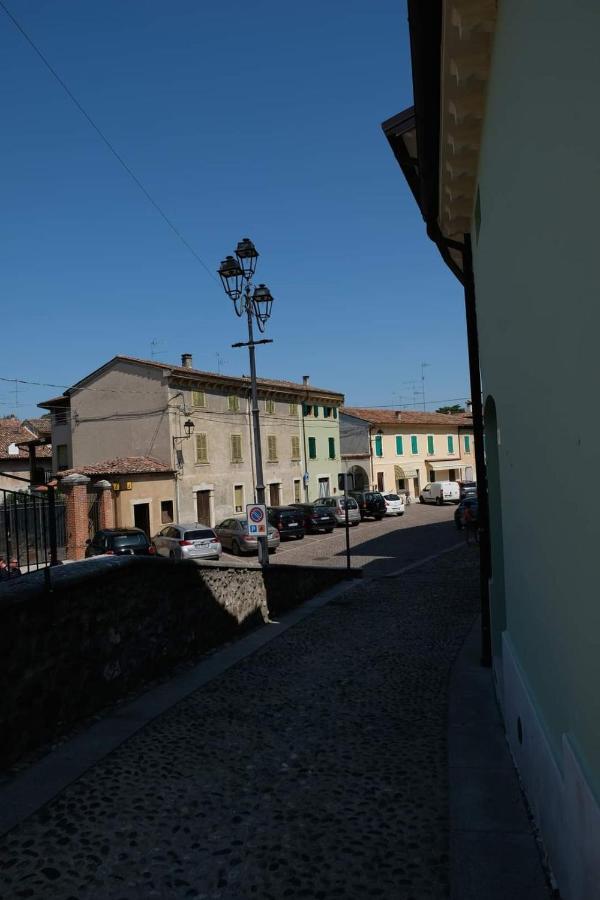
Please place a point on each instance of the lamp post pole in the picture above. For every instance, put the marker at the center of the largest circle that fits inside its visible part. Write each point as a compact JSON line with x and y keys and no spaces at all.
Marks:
{"x":236,"y":277}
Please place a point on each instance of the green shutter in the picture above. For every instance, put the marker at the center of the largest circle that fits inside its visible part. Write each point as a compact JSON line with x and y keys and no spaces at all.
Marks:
{"x":378,"y":445}
{"x":399,"y":445}
{"x":306,"y":409}
{"x":414,"y":443}
{"x":331,"y":448}
{"x":430,"y":448}
{"x":312,"y":448}
{"x":334,"y":412}
{"x":450,"y":444}
{"x":467,"y":443}
{"x":315,"y":411}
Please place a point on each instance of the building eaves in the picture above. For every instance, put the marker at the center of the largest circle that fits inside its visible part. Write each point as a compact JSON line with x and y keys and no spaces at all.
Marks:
{"x":122,"y":465}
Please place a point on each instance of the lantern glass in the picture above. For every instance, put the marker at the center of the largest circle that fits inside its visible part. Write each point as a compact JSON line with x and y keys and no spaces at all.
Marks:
{"x":189,"y":427}
{"x":262,"y":301}
{"x":247,"y":255}
{"x":231,"y":275}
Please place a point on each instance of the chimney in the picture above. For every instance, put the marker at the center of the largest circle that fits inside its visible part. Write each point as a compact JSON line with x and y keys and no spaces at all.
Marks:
{"x":186,"y":360}
{"x":305,"y":379}
{"x":469,"y":407}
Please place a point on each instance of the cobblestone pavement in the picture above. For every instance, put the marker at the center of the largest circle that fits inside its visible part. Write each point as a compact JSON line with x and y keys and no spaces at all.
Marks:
{"x":314,"y":768}
{"x":377,"y":547}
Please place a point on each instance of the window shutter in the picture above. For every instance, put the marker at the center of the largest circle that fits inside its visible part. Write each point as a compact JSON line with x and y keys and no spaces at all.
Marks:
{"x":272,"y":445}
{"x":312,"y":448}
{"x":430,"y":447}
{"x":467,"y":443}
{"x":378,"y":445}
{"x":201,"y":448}
{"x":295,"y":447}
{"x":414,"y":443}
{"x":293,"y":409}
{"x":306,"y":409}
{"x":315,"y":411}
{"x":270,"y":406}
{"x":399,"y":445}
{"x":198,"y":398}
{"x":335,"y":412}
{"x":450,"y":444}
{"x":331,"y":448}
{"x":236,"y":448}
{"x":233,"y":404}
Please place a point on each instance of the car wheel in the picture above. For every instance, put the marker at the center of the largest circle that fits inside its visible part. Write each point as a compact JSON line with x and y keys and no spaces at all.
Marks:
{"x":236,"y":549}
{"x":401,"y":514}
{"x":328,"y":530}
{"x":299,"y":537}
{"x":273,"y":551}
{"x":378,"y":518}
{"x":439,"y":501}
{"x":421,"y":500}
{"x":172,"y":555}
{"x":354,"y":524}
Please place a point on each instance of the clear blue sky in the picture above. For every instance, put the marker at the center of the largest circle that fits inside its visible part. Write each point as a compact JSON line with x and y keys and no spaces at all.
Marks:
{"x":241,"y":119}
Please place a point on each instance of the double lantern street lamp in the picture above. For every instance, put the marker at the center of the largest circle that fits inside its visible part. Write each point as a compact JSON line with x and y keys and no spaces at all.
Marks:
{"x":236,"y":277}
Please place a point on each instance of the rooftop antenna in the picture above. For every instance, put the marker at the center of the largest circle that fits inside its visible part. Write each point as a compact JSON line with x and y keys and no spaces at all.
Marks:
{"x":415,"y":391}
{"x":424,"y":365}
{"x":155,"y":350}
{"x":220,"y":362}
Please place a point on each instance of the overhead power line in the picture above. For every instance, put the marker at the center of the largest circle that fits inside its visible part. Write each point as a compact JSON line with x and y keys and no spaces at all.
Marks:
{"x":106,"y":141}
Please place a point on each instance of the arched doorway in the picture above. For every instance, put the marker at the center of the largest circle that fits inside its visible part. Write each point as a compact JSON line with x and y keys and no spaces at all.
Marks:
{"x":497,"y":595}
{"x":358,"y":479}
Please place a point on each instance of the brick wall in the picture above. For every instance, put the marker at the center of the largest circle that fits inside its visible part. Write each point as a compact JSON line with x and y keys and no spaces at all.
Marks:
{"x":111,"y":625}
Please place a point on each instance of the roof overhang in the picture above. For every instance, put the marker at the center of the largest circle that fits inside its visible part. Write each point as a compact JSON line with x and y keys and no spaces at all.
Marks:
{"x":436,"y":142}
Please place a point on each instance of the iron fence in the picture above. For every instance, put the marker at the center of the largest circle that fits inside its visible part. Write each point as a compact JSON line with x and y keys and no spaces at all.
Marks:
{"x":32,"y":529}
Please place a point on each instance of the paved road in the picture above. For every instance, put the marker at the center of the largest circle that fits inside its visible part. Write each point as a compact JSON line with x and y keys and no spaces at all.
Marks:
{"x":315,"y":768}
{"x":378,"y":547}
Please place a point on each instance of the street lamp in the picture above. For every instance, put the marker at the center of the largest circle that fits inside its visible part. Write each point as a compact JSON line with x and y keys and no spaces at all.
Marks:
{"x":236,"y":277}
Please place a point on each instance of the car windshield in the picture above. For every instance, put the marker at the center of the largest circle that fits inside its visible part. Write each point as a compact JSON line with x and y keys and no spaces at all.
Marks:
{"x":135,"y":539}
{"x":199,"y":534}
{"x":391,"y":496}
{"x":352,"y":504}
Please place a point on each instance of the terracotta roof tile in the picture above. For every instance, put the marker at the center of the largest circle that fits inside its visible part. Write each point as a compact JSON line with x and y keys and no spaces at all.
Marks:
{"x":12,"y":432}
{"x":406,"y":417}
{"x":121,"y":465}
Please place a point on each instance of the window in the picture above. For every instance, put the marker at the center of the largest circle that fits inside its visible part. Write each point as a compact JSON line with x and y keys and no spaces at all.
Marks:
{"x":399,"y":445}
{"x":315,"y":411}
{"x":297,"y":491}
{"x":62,"y":458}
{"x":274,"y":494}
{"x":467,"y":443}
{"x":238,"y":497}
{"x":334,"y":412}
{"x":430,"y":445}
{"x":378,"y":445}
{"x":414,"y":444}
{"x":327,"y":412}
{"x":272,"y":448}
{"x":198,"y":398}
{"x":331,"y":442}
{"x":450,"y":444}
{"x":166,"y":511}
{"x":270,"y":407}
{"x":201,"y":449}
{"x":233,"y":403}
{"x":236,"y":448}
{"x":293,"y":409}
{"x":295,"y":447}
{"x":307,"y":409}
{"x":312,"y":448}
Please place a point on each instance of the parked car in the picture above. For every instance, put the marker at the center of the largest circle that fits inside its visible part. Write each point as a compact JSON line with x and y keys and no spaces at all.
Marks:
{"x":440,"y":492}
{"x":288,"y":521}
{"x":188,"y":541}
{"x":119,"y":542}
{"x":459,"y":514}
{"x":467,"y":489}
{"x":337,"y":505}
{"x":316,"y":519}
{"x":233,"y":535}
{"x":370,"y":503}
{"x":394,"y":504}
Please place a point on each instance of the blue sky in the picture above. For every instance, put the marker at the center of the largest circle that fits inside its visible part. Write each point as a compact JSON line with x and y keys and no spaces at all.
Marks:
{"x":240,"y":119}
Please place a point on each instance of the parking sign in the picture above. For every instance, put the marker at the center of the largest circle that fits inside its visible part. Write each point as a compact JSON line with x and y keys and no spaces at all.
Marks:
{"x":257,"y":519}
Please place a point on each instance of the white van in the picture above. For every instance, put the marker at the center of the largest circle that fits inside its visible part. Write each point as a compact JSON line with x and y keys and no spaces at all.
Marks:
{"x":440,"y":492}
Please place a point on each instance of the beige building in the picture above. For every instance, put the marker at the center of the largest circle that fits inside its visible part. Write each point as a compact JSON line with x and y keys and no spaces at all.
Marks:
{"x":197,"y":424}
{"x":394,"y":450}
{"x":24,"y":452}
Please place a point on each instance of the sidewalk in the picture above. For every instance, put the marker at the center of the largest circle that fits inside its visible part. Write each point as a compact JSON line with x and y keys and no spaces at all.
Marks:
{"x":316,"y":767}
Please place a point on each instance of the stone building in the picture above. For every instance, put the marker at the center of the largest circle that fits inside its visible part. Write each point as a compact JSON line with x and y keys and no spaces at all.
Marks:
{"x":139,"y":408}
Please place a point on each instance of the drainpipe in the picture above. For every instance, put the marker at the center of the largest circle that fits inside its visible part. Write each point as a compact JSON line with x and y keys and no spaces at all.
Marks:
{"x":305,"y":379}
{"x":482,"y":489}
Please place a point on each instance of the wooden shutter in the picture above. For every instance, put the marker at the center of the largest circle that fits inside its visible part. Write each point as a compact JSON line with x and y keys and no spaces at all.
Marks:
{"x":450,"y":444}
{"x":233,"y":404}
{"x":236,"y":448}
{"x":270,"y":406}
{"x":198,"y":398}
{"x":399,"y":445}
{"x":467,"y":443}
{"x":430,"y":446}
{"x":201,"y":448}
{"x":331,"y":448}
{"x":272,"y":447}
{"x":312,"y":448}
{"x":414,"y":443}
{"x":378,"y":445}
{"x":295,"y":447}
{"x":293,"y":409}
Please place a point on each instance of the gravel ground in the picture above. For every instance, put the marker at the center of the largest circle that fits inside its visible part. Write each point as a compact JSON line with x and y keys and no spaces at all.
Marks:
{"x":315,"y":768}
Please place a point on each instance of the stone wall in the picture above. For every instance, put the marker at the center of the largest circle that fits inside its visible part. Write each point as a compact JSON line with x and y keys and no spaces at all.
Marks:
{"x":111,"y":625}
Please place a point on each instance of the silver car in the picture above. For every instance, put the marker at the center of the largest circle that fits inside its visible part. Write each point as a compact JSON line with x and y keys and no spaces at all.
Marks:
{"x":191,"y":540}
{"x":234,"y":536}
{"x":337,"y":505}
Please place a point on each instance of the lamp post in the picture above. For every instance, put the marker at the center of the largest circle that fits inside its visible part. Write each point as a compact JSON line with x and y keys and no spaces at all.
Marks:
{"x":236,"y":277}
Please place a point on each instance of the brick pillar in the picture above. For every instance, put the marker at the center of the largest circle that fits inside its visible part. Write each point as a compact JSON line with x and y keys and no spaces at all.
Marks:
{"x":107,"y":506}
{"x":76,"y":514}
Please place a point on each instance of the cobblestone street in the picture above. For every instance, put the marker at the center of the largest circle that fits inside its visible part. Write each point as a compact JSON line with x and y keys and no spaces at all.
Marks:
{"x":314,"y":768}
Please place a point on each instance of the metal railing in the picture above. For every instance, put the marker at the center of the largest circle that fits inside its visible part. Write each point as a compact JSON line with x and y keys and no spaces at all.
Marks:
{"x":32,"y":529}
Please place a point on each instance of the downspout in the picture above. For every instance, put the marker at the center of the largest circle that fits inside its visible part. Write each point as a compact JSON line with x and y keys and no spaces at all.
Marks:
{"x":482,"y":489}
{"x":371,"y":457}
{"x":304,"y":481}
